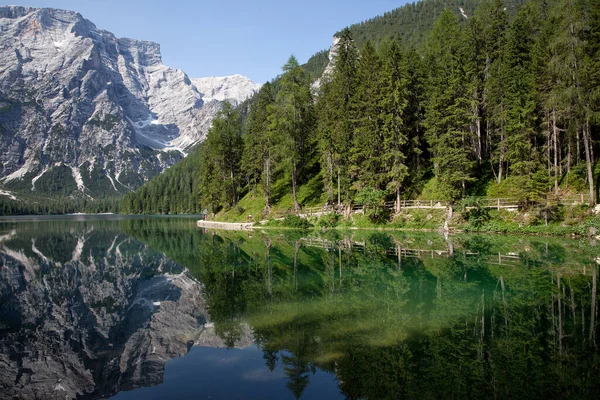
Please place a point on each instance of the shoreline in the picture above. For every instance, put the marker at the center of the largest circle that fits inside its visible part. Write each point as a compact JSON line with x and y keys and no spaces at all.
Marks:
{"x":241,"y":227}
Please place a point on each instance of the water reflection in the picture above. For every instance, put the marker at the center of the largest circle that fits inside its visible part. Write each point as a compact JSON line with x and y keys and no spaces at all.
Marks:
{"x":91,"y":308}
{"x":87,"y":311}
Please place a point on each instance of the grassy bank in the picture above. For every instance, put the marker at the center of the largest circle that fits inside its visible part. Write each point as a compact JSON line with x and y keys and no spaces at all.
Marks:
{"x":470,"y":215}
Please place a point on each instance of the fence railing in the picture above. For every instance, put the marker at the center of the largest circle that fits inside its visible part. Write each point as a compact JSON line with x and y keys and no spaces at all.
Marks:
{"x":487,"y":202}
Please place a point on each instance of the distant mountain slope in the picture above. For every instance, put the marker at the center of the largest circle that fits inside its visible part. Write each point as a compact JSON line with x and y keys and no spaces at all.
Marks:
{"x":234,"y":88}
{"x":85,"y":113}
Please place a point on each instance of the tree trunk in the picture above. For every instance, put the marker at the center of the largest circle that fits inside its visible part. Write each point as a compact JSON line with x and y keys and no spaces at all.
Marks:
{"x":588,"y":161}
{"x":501,"y":161}
{"x":397,"y":200}
{"x":268,"y":182}
{"x":294,"y":188}
{"x":555,"y":146}
{"x":339,"y":191}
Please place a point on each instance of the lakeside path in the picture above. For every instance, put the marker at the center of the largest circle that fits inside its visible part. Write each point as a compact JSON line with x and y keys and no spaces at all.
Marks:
{"x":227,"y":226}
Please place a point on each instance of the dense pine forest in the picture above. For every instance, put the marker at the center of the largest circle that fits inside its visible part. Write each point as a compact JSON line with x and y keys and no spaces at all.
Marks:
{"x":489,"y":105}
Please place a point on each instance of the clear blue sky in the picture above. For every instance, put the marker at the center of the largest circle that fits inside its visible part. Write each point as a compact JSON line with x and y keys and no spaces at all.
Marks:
{"x":212,"y":38}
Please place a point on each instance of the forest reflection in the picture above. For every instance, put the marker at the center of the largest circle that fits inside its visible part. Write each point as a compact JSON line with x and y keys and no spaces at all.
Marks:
{"x":403,"y":315}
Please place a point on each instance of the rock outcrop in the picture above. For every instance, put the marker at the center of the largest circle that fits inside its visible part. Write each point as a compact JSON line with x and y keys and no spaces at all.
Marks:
{"x":234,"y":89}
{"x":82,"y":111}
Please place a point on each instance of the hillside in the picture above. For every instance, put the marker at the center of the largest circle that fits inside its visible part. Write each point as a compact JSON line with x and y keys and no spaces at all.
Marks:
{"x":410,"y":22}
{"x":494,"y":105}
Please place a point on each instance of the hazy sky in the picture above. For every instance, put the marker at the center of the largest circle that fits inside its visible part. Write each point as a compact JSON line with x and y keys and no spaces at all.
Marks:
{"x":212,"y":38}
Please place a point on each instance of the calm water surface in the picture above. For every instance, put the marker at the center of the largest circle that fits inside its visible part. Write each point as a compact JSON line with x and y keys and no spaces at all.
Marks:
{"x":155,"y":308}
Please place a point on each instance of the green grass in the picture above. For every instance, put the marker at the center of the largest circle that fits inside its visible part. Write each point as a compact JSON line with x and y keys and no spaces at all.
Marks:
{"x":576,"y":220}
{"x":253,"y":204}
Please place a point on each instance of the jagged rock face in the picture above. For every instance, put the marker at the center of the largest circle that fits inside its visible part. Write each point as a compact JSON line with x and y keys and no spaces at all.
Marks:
{"x":328,"y":73}
{"x":234,"y":88}
{"x":83,"y":111}
{"x":88,"y":313}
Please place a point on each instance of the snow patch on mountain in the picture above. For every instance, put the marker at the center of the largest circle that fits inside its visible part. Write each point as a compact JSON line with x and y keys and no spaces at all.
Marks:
{"x":7,"y":194}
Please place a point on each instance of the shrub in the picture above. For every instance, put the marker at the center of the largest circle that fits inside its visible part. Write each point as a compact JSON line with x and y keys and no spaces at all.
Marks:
{"x":294,"y":221}
{"x":329,"y":220}
{"x":549,"y":213}
{"x":525,"y":189}
{"x":373,"y":201}
{"x":434,"y":190}
{"x":474,"y":211}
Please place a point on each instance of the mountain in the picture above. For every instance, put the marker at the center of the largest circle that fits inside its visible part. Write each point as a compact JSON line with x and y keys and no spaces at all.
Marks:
{"x":234,"y":88}
{"x":82,"y":111}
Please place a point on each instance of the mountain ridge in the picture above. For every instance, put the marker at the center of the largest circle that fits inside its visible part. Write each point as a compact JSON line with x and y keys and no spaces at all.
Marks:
{"x":85,"y":113}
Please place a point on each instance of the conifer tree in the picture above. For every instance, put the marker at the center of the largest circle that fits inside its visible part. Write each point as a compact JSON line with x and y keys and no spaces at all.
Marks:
{"x":293,"y":120}
{"x":366,"y":166}
{"x":520,"y":96}
{"x":222,"y":153}
{"x":336,"y":129}
{"x":447,"y":116}
{"x":396,"y":116}
{"x":260,"y":143}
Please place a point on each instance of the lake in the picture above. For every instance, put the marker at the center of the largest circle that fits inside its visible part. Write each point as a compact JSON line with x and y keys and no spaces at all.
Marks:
{"x":96,"y":307}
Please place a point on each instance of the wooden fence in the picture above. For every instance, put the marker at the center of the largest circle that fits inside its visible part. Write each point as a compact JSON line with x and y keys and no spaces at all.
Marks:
{"x":487,"y":202}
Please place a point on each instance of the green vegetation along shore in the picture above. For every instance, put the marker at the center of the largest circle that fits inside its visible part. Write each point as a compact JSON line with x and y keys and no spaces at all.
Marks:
{"x":493,"y":106}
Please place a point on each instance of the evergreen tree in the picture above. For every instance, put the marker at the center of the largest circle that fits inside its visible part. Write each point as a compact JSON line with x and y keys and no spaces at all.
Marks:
{"x":447,"y":117}
{"x":520,"y":96}
{"x":293,"y":120}
{"x":222,"y":153}
{"x":336,"y":126}
{"x":260,"y":143}
{"x":396,"y":116}
{"x":366,"y":163}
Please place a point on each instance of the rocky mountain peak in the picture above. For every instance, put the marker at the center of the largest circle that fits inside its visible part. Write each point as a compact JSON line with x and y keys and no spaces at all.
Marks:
{"x":233,"y":88}
{"x":82,"y":111}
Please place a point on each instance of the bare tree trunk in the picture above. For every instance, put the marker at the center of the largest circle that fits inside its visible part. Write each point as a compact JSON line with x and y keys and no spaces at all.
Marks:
{"x":330,"y":177}
{"x":555,"y":146}
{"x":479,"y":147}
{"x":339,"y":192}
{"x":268,"y":181}
{"x":294,"y":187}
{"x":501,"y":160}
{"x":233,"y":196}
{"x":569,"y":161}
{"x":577,"y":148}
{"x":588,"y":161}
{"x":397,"y":200}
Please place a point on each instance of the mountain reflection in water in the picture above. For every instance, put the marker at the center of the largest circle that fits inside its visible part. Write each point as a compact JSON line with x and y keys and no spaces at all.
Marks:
{"x":90,"y":307}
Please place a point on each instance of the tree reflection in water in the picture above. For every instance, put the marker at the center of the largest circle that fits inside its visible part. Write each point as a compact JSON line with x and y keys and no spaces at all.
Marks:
{"x":408,"y":315}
